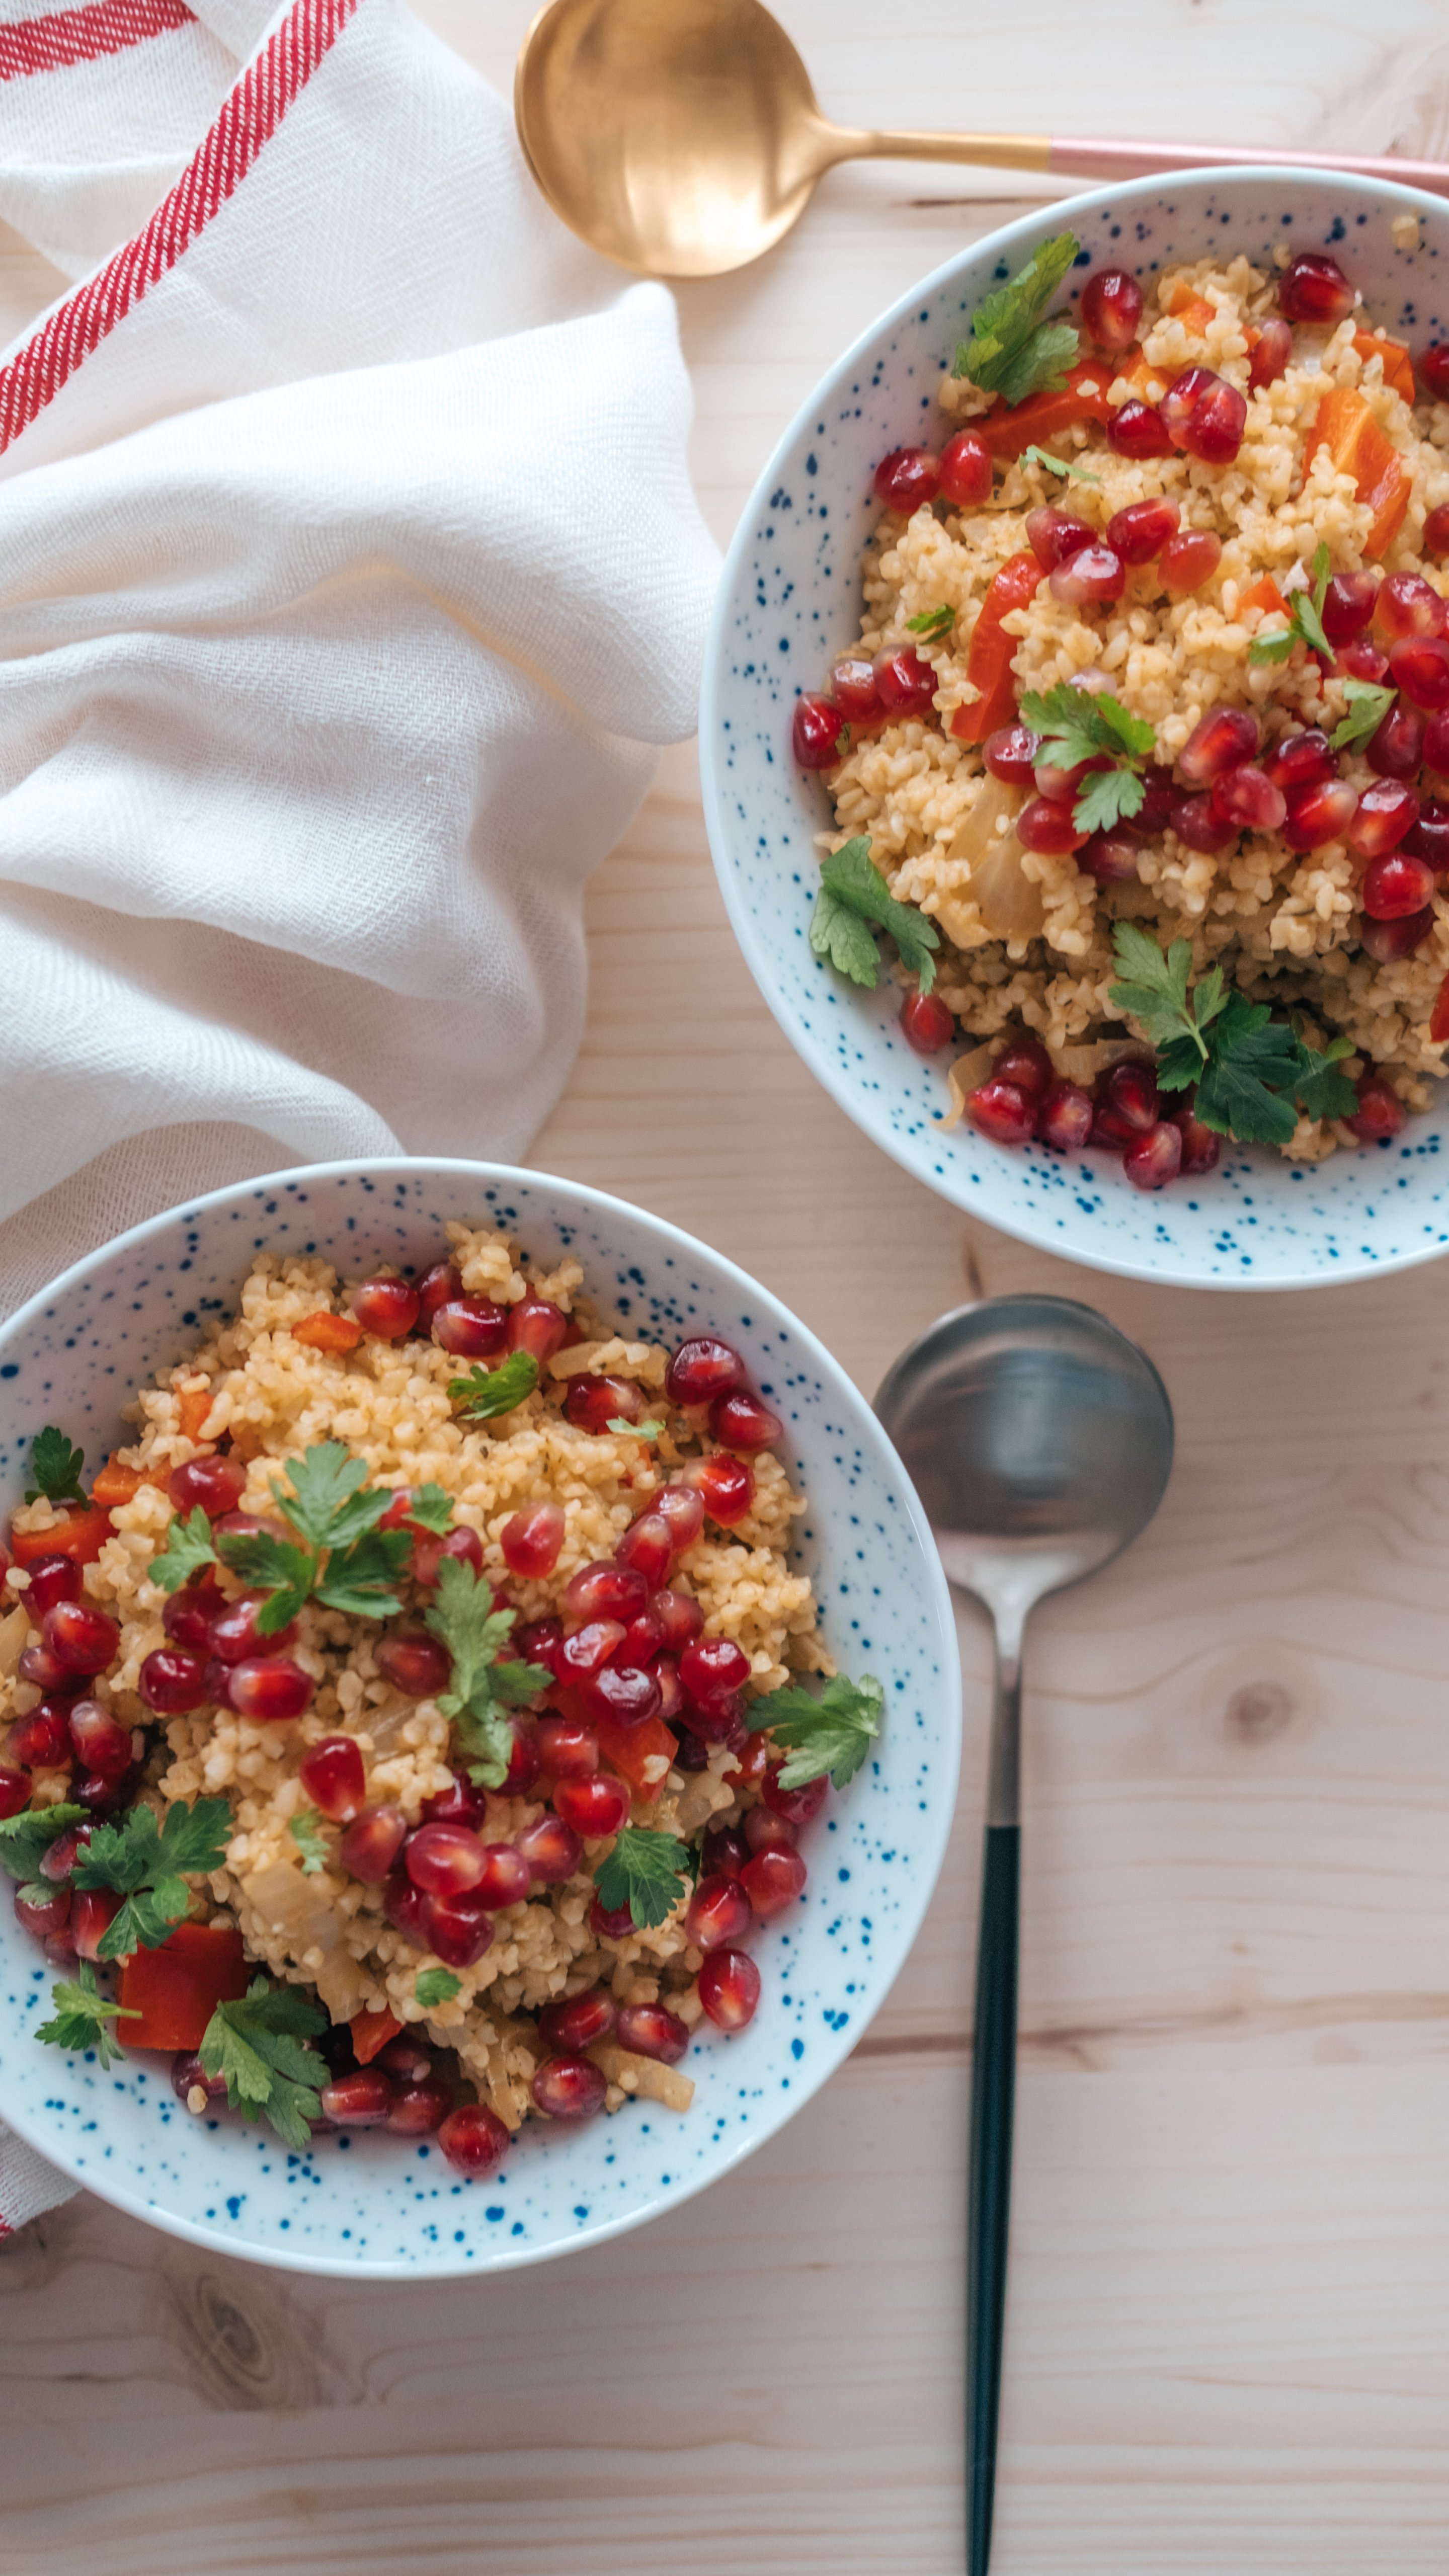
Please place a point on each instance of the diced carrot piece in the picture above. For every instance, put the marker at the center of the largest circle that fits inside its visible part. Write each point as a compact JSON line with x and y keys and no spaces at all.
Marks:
{"x":195,"y":1403}
{"x":1265,"y":594}
{"x":1046,"y":415}
{"x":327,"y":1332}
{"x":370,"y":2032}
{"x":988,"y":663}
{"x":115,"y":1484}
{"x":1439,"y":1024}
{"x":630,"y":1747}
{"x":1137,"y":370}
{"x":177,"y":1988}
{"x":1193,"y":311}
{"x":1398,"y":365}
{"x":1346,"y":426}
{"x":78,"y":1534}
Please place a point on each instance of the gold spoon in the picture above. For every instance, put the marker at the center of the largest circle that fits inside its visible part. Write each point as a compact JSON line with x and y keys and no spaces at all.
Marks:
{"x":683,"y":138}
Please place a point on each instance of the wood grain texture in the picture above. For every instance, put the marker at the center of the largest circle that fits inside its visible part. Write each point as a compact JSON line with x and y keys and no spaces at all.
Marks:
{"x":1226,"y":2340}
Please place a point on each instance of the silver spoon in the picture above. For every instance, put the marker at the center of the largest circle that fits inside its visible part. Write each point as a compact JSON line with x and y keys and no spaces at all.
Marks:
{"x":1040,"y":1442}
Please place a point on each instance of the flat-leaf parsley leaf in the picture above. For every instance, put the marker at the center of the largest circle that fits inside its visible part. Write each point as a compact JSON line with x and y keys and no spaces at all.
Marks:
{"x":645,"y":1871}
{"x":484,"y":1688}
{"x":1058,"y":465}
{"x":56,"y":1468}
{"x":145,"y":1865}
{"x":1248,"y":1067}
{"x":1305,"y":620}
{"x":306,"y":1832}
{"x":853,"y":895}
{"x":829,"y":1736}
{"x":259,"y":2044}
{"x":932,"y":622}
{"x":81,"y":2017}
{"x":1012,"y":350}
{"x":1367,"y":707}
{"x":485,"y":1392}
{"x":25,"y":1839}
{"x":436,"y":1986}
{"x":1075,"y":727}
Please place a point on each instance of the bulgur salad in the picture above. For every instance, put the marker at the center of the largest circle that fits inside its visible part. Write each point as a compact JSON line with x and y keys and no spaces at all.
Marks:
{"x":409,"y":1728}
{"x":1141,"y":759}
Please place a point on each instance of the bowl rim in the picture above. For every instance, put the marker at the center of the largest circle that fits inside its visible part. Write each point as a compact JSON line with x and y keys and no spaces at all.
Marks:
{"x":1020,"y":233}
{"x":915,"y":1899}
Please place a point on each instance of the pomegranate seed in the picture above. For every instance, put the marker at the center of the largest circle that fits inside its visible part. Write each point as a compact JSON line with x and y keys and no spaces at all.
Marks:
{"x":270,"y":1689}
{"x":1313,"y":288}
{"x":1047,"y":827}
{"x":680,"y":1618}
{"x":1059,"y":786}
{"x":82,"y":1639}
{"x":14,"y":1792}
{"x":332,"y":1775}
{"x":506,"y":1880}
{"x":1011,"y":754}
{"x":1026,"y":1063}
{"x":473,"y":2139}
{"x":402,"y":1903}
{"x":1419,"y":665}
{"x":1387,"y":941}
{"x":1141,"y":531}
{"x":772,"y":1881}
{"x":1065,"y":1117}
{"x":1182,"y":398}
{"x":44,"y":1915}
{"x":1002,"y":1112}
{"x":429,"y":1551}
{"x":405,"y":2060}
{"x":217,"y":1484}
{"x":1248,"y":799}
{"x":723,"y":1852}
{"x":853,"y":688}
{"x":690,"y":1753}
{"x":815,"y":732}
{"x":1137,"y":430}
{"x":907,"y":684}
{"x":457,"y":1928}
{"x":595,"y":1808}
{"x":641,"y":1642}
{"x":1396,"y":886}
{"x":386,"y":1308}
{"x":52,"y":1579}
{"x":572,"y":2023}
{"x":92,"y":1912}
{"x":99,"y":1741}
{"x":1407,"y":604}
{"x":797,"y":1806}
{"x":537,"y":1326}
{"x":1186,"y":562}
{"x":59,"y":1860}
{"x":1301,"y":760}
{"x":765,"y":1831}
{"x":1436,"y":745}
{"x":727,"y":1485}
{"x":647,"y":1546}
{"x":443,"y":1860}
{"x":361,"y":2100}
{"x":1156,"y":1158}
{"x":1129,"y":1091}
{"x":189,"y":2076}
{"x":906,"y":478}
{"x":419,"y":2109}
{"x":1380,"y":1111}
{"x":1429,"y":838}
{"x":234,"y":1634}
{"x":567,"y":1749}
{"x":1110,"y":857}
{"x":1214,"y":430}
{"x":551,"y":1848}
{"x":568,"y":2088}
{"x":965,"y":469}
{"x":729,"y":1988}
{"x":1395,"y":750}
{"x":721,"y":1723}
{"x":1090,"y":579}
{"x":531,"y":1540}
{"x":1199,"y":1144}
{"x":1436,"y":531}
{"x":188,"y":1614}
{"x":1319,"y":814}
{"x":1270,"y":356}
{"x":1361,"y":660}
{"x":719,"y":1913}
{"x":1348,"y":605}
{"x":742,"y":1421}
{"x":580,"y":1656}
{"x":927,"y":1023}
{"x":38,"y":1666}
{"x":470,"y":1328}
{"x":1219,"y":741}
{"x":611,"y":1923}
{"x":649,"y":2030}
{"x":41,"y":1741}
{"x":1054,"y":536}
{"x":372,"y":1842}
{"x":603,"y":1591}
{"x":1112,"y":307}
{"x":459,"y":1804}
{"x":1386,"y":812}
{"x":1433,"y":370}
{"x":593,"y":1402}
{"x":1154,"y":814}
{"x":703,"y":1368}
{"x":624,"y":1692}
{"x":437,"y":1287}
{"x":712,"y":1670}
{"x":416,"y":1664}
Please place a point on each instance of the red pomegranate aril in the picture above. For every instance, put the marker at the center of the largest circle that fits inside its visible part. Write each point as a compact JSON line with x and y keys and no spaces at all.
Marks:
{"x":572,"y":2023}
{"x":1387,"y":941}
{"x":568,"y":2088}
{"x":234,"y":1635}
{"x":83,"y":1640}
{"x":14,"y":1791}
{"x":702,"y":1368}
{"x":1386,"y":812}
{"x":1065,"y":1117}
{"x":538,"y":1642}
{"x":721,"y":1723}
{"x":416,"y":1664}
{"x":1362,"y":660}
{"x":579,"y":1657}
{"x":680,"y":1618}
{"x":1200,"y":1146}
{"x":470,"y":1328}
{"x":567,"y":1749}
{"x":1407,"y":604}
{"x":906,"y":478}
{"x":1436,"y":531}
{"x":744,"y":1421}
{"x":1011,"y":754}
{"x":333,"y":1776}
{"x":964,"y":471}
{"x":691,"y":1753}
{"x":473,"y":2139}
{"x":99,"y":1741}
{"x":531,"y":1540}
{"x":1154,"y":814}
{"x":418,"y":2110}
{"x":404,"y":2059}
{"x":773,"y":1880}
{"x":1300,"y":760}
{"x":402,"y":1903}
{"x":1432,"y":368}
{"x":523,"y":1763}
{"x":765,"y":1831}
{"x":1109,"y":857}
{"x":1395,"y":750}
{"x":605,"y":1591}
{"x":41,"y":1741}
{"x":1319,"y":814}
{"x":44,"y":1915}
{"x":927,"y":1023}
{"x":1141,"y":531}
{"x":647,"y":1546}
{"x":1214,"y":429}
{"x":1270,"y":357}
{"x":719,"y":1913}
{"x":906,"y":682}
{"x":1129,"y":1090}
{"x":551,"y":1848}
{"x":39,"y":1667}
{"x":595,"y":1807}
{"x":815,"y":731}
{"x":429,"y":1551}
{"x":437,"y":1287}
{"x":1156,"y":1158}
{"x":1313,"y":288}
{"x":1025,"y":1062}
{"x":1348,"y":605}
{"x":1138,"y":431}
{"x":626,"y":1693}
{"x":537,"y":1326}
{"x":52,"y":1579}
{"x":797,"y":1806}
{"x":1186,"y":562}
{"x":372,"y":1842}
{"x":270,"y":1689}
{"x":713,"y":1669}
{"x":1419,"y":665}
{"x":443,"y":1860}
{"x":1054,"y":536}
{"x":1049,"y":828}
{"x":506,"y":1880}
{"x":1198,"y":824}
{"x":387,"y":1308}
{"x":642,"y":1641}
{"x":1219,"y":741}
{"x":216,"y":1484}
{"x":361,"y":2100}
{"x":729,"y":1988}
{"x":1436,"y":745}
{"x":1248,"y":799}
{"x":853,"y":689}
{"x":723,"y":1852}
{"x":610,"y":1922}
{"x":59,"y":1858}
{"x":458,"y":1928}
{"x":188,"y":1614}
{"x":1429,"y":838}
{"x":727,"y":1486}
{"x":1396,"y":886}
{"x":593,"y":1402}
{"x":92,"y":1912}
{"x":1112,"y":307}
{"x":651,"y":2030}
{"x":1091,"y":579}
{"x":1003,"y":1113}
{"x":1060,"y":786}
{"x":1380,"y":1111}
{"x":1182,"y":398}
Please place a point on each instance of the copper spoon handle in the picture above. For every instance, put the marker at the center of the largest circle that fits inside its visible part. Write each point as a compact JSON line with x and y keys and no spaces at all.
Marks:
{"x":1077,"y":157}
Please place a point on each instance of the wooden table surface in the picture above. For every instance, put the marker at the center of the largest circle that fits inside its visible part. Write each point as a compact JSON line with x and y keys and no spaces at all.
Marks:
{"x":1228,"y":2337}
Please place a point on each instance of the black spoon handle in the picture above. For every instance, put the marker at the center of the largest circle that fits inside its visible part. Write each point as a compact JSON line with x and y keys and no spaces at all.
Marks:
{"x":993,"y":2090}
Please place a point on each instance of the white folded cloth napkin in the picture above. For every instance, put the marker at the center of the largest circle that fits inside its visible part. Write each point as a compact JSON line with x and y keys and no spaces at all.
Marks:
{"x":350,"y":577}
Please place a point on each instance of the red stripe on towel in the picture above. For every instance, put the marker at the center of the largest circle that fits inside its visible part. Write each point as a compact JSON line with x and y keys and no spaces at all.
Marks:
{"x":84,"y":35}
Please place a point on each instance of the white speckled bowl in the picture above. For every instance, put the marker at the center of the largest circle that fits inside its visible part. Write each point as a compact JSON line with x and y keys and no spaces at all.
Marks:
{"x":388,"y":2207}
{"x":790,"y":598}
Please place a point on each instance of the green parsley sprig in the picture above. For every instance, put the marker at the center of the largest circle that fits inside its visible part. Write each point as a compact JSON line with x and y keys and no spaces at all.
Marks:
{"x":25,"y":1839}
{"x":485,"y":1392}
{"x":148,"y":1865}
{"x":1013,"y":350}
{"x":647,"y":1871}
{"x":56,"y":1468}
{"x":1062,"y":465}
{"x":339,"y":1556}
{"x":260,"y":2045}
{"x":932,"y":622}
{"x":83,"y":2015}
{"x":1305,"y":620}
{"x":306,"y":1832}
{"x":484,"y":1688}
{"x":828,"y":1737}
{"x":853,"y":901}
{"x":636,"y":1430}
{"x":1075,"y":726}
{"x":436,"y":1986}
{"x":1249,"y":1068}
{"x":1367,"y":707}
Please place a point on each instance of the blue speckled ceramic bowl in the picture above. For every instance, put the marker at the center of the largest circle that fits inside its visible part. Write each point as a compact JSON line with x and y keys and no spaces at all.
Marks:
{"x":391,"y":2207}
{"x":790,"y":598}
